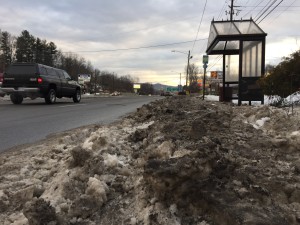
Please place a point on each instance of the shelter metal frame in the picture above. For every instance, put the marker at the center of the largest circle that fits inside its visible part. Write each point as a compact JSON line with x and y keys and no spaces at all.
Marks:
{"x":245,"y":39}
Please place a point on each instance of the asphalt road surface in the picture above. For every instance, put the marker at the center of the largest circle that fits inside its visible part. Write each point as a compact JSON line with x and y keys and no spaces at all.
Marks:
{"x":33,"y":120}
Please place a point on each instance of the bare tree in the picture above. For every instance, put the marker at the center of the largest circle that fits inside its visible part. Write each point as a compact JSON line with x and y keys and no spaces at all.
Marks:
{"x":193,"y":77}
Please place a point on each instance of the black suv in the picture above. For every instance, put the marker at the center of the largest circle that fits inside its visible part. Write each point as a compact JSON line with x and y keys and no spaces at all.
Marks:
{"x":34,"y":80}
{"x":2,"y":94}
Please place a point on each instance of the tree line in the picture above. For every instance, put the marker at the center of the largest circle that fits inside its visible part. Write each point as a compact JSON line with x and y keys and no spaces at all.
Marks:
{"x":284,"y":79}
{"x":27,"y":48}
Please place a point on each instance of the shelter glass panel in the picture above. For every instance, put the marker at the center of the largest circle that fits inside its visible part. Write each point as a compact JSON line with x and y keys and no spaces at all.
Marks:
{"x":252,"y":58}
{"x":248,"y":27}
{"x":232,"y":68}
{"x":233,"y":45}
{"x":212,"y":35}
{"x":226,"y":28}
{"x":220,"y":45}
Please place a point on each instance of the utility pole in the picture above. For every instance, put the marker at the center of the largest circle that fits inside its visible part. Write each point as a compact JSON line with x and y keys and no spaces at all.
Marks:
{"x":231,"y":11}
{"x":188,"y":66}
{"x":187,"y":69}
{"x":180,"y":87}
{"x":95,"y":82}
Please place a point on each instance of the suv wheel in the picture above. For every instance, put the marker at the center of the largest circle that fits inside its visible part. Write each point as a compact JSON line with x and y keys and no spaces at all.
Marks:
{"x":16,"y":99}
{"x":51,"y":97}
{"x":77,"y":96}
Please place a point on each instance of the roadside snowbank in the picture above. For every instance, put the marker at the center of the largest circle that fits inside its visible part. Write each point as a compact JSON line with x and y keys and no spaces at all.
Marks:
{"x":179,"y":160}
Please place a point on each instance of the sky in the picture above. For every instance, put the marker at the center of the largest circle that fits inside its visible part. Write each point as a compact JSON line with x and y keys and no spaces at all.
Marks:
{"x":148,"y":39}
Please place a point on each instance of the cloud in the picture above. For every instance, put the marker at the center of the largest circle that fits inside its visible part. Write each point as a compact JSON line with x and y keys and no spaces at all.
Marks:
{"x":93,"y":25}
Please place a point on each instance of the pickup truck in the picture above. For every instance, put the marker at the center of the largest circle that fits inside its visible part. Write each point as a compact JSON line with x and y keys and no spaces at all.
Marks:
{"x":33,"y":80}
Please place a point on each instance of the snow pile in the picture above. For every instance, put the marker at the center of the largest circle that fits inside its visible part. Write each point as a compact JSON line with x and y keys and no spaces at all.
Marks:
{"x":293,"y":99}
{"x":261,"y":122}
{"x":295,"y":133}
{"x":111,"y":160}
{"x":97,"y":189}
{"x":179,"y":160}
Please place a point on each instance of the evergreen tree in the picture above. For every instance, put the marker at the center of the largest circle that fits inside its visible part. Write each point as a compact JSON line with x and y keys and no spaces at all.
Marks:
{"x":25,"y":47}
{"x":6,"y":56}
{"x":283,"y":79}
{"x":39,"y":49}
{"x":50,"y":53}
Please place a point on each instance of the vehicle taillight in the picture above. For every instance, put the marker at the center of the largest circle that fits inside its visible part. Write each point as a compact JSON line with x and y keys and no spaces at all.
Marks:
{"x":39,"y":80}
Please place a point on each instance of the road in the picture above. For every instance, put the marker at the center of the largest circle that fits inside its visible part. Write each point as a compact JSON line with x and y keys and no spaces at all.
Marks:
{"x":34,"y":120}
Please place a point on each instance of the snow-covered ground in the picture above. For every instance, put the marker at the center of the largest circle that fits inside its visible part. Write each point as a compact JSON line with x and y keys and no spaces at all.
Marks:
{"x":268,"y":100}
{"x":179,"y":160}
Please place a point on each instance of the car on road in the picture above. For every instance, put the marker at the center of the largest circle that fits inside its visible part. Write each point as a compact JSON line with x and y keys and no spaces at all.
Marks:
{"x":115,"y":93}
{"x":181,"y":93}
{"x":2,"y":94}
{"x":167,"y":93}
{"x":33,"y":80}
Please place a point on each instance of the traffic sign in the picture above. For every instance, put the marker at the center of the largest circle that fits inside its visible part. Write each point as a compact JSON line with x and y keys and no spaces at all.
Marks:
{"x":172,"y":89}
{"x":205,"y":59}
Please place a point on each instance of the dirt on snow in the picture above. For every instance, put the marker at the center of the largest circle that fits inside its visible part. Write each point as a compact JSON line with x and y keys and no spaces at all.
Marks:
{"x":176,"y":161}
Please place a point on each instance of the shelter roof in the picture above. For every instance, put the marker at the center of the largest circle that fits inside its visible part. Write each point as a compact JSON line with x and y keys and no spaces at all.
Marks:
{"x":224,"y":36}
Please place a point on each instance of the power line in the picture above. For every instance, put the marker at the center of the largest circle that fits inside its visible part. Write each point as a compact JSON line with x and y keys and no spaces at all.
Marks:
{"x":149,"y":28}
{"x":199,"y":25}
{"x":265,"y":9}
{"x":247,"y":2}
{"x":284,"y":10}
{"x":283,"y":6}
{"x":222,"y":11}
{"x":270,"y":11}
{"x":258,"y":3}
{"x":137,"y":48}
{"x":244,"y":6}
{"x":258,"y":7}
{"x":216,"y":61}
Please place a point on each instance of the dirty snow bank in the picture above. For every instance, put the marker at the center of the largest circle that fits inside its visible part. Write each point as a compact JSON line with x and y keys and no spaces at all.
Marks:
{"x":179,"y":160}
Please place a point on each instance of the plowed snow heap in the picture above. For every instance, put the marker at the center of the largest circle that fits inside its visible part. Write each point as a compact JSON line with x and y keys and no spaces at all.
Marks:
{"x":179,"y":160}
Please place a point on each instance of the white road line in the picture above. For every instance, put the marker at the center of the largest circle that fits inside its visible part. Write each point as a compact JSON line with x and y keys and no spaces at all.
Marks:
{"x":64,"y":106}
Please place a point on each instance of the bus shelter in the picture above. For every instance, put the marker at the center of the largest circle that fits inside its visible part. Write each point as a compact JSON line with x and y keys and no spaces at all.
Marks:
{"x":242,"y":44}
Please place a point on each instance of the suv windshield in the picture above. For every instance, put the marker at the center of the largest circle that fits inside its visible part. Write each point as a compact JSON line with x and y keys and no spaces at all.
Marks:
{"x":67,"y":76}
{"x":21,"y":69}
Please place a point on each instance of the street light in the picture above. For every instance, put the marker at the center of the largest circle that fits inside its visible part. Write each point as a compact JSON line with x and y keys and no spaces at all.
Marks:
{"x":188,"y":64}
